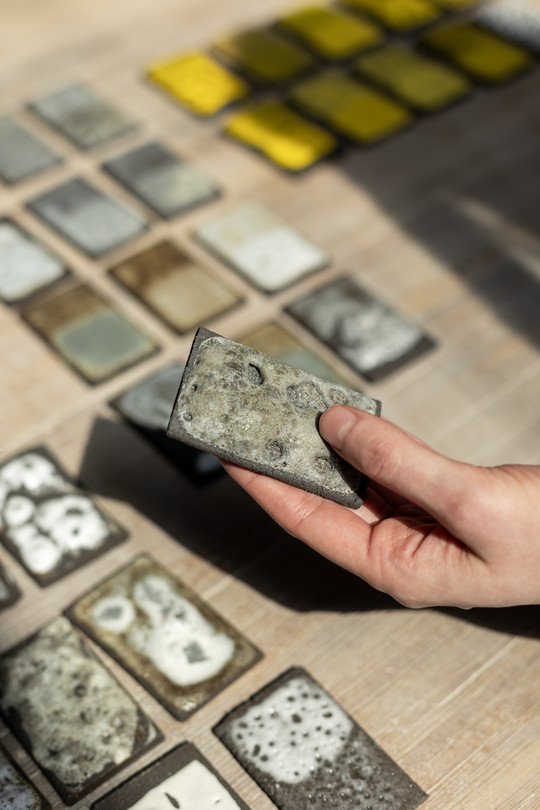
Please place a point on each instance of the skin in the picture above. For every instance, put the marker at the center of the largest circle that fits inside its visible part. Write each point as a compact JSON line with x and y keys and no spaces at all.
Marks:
{"x":431,"y":532}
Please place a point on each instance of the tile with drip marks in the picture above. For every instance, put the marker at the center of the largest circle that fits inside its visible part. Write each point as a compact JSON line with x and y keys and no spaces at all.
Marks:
{"x":9,"y":592}
{"x":158,"y":629}
{"x":265,"y":56}
{"x":518,"y":20}
{"x":26,"y":265}
{"x":304,"y":750}
{"x":46,"y":522}
{"x":16,"y":791}
{"x":331,"y":33}
{"x":366,"y":333}
{"x":22,"y":154}
{"x":397,"y":15}
{"x":71,"y":714}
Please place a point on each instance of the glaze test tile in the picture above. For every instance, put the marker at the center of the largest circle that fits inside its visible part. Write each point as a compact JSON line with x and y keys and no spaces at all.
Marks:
{"x":74,"y":718}
{"x":48,"y":523}
{"x":25,"y":265}
{"x":261,"y":246}
{"x":175,"y":287}
{"x":182,"y":779}
{"x":304,"y":751}
{"x":92,"y":336}
{"x":175,"y":644}
{"x":397,"y":15}
{"x":22,"y":154}
{"x":16,"y":792}
{"x":331,"y":33}
{"x":82,"y":116}
{"x":516,"y":19}
{"x":9,"y":592}
{"x":367,"y":334}
{"x":265,"y":56}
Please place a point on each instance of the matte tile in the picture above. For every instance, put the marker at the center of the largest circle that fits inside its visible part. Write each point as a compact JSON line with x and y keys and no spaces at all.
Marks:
{"x":175,"y":286}
{"x":265,"y":56}
{"x":183,"y":778}
{"x":397,"y":15}
{"x":9,"y":594}
{"x":25,"y":265}
{"x":162,"y":180}
{"x":66,"y":708}
{"x":332,"y":34}
{"x":304,"y":750}
{"x":22,"y":154}
{"x":518,"y":20}
{"x":175,"y":644}
{"x":85,"y":216}
{"x":82,"y":116}
{"x":261,"y":246}
{"x":92,"y":336}
{"x":363,"y":331}
{"x":46,"y":522}
{"x":16,"y":791}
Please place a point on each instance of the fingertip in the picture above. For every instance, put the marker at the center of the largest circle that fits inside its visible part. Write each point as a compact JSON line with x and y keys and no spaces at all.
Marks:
{"x":336,"y":423}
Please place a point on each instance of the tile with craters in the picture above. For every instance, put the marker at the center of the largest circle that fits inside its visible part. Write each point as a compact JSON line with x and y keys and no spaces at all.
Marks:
{"x":330,"y":33}
{"x":46,"y":522}
{"x":261,"y":246}
{"x":265,"y":56}
{"x":22,"y":154}
{"x":305,"y":751}
{"x":71,"y":714}
{"x":366,"y":333}
{"x":260,"y":413}
{"x":26,"y":266}
{"x":158,"y":629}
{"x":82,"y":116}
{"x":518,"y":20}
{"x":9,"y":592}
{"x":397,"y":15}
{"x":16,"y":792}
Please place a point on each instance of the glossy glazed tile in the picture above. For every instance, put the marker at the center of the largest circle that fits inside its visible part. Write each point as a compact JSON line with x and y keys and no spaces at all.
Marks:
{"x":265,"y":56}
{"x":16,"y":792}
{"x":332,"y":34}
{"x":175,"y":644}
{"x":25,"y":265}
{"x":363,"y":331}
{"x":22,"y":154}
{"x":92,"y":336}
{"x":519,"y":20}
{"x":9,"y":592}
{"x":304,"y":750}
{"x":66,"y":708}
{"x":261,"y":246}
{"x":397,"y":15}
{"x":46,"y":522}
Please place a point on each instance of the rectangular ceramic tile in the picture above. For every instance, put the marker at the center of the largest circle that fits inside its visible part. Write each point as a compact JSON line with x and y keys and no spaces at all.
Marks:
{"x":367,"y":334}
{"x":350,"y":108}
{"x":89,"y":333}
{"x":304,"y":750}
{"x":21,"y":153}
{"x":9,"y":592}
{"x":253,"y":410}
{"x":94,"y":222}
{"x":261,"y":246}
{"x":175,"y":644}
{"x":198,"y":82}
{"x":183,"y":779}
{"x":66,"y":708}
{"x":397,"y":15}
{"x":82,"y":116}
{"x":162,"y":180}
{"x":456,"y":5}
{"x":265,"y":56}
{"x":25,"y":265}
{"x":332,"y":34}
{"x":148,"y":405}
{"x":282,"y":136}
{"x":518,"y":20}
{"x":16,"y":792}
{"x":48,"y":523}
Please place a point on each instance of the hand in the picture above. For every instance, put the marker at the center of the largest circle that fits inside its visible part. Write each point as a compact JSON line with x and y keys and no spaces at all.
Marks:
{"x":432,"y":531}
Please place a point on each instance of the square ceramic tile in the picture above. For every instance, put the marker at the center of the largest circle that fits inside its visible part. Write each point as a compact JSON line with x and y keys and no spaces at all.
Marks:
{"x":82,"y":116}
{"x":367,"y":334}
{"x":304,"y":750}
{"x":261,"y":246}
{"x":397,"y":15}
{"x":82,"y":214}
{"x":175,"y":644}
{"x":22,"y":154}
{"x":25,"y":265}
{"x":265,"y":56}
{"x":89,"y":333}
{"x":9,"y":592}
{"x":71,"y":714}
{"x":16,"y":791}
{"x":176,"y":287}
{"x":331,"y":33}
{"x":516,"y":19}
{"x":46,"y":522}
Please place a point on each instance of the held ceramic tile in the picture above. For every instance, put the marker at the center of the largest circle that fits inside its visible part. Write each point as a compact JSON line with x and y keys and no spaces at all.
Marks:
{"x":397,"y":15}
{"x":265,"y":56}
{"x":147,"y":407}
{"x":516,"y":19}
{"x":167,"y":184}
{"x":175,"y":287}
{"x":304,"y":750}
{"x":66,"y":708}
{"x":16,"y":792}
{"x":183,"y":779}
{"x":93,"y":337}
{"x":332,"y":34}
{"x":21,"y":153}
{"x":82,"y":214}
{"x":175,"y":644}
{"x":82,"y":116}
{"x":363,"y":331}
{"x":261,"y":246}
{"x":48,"y":523}
{"x":25,"y":265}
{"x":253,"y":410}
{"x":9,"y":592}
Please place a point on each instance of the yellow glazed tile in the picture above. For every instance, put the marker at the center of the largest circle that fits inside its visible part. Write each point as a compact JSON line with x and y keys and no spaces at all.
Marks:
{"x":265,"y":56}
{"x":198,"y":82}
{"x":398,"y":15}
{"x":332,"y":34}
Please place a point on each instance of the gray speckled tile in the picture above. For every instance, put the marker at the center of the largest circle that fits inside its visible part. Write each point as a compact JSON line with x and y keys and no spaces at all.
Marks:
{"x":25,"y":265}
{"x":74,"y":718}
{"x":366,"y":333}
{"x":516,"y":19}
{"x":46,"y":522}
{"x":22,"y":154}
{"x":9,"y":592}
{"x":16,"y":792}
{"x":304,"y":751}
{"x":175,"y":644}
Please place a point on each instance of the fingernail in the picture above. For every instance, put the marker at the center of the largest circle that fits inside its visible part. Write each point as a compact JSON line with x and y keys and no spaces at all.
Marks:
{"x":335,"y":424}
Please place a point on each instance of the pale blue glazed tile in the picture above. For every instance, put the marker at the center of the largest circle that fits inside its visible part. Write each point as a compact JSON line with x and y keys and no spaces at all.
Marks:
{"x":16,"y":791}
{"x":22,"y":154}
{"x":26,"y":266}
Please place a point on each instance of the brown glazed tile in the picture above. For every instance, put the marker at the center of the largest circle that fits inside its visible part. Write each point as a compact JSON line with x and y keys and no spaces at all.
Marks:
{"x":9,"y":592}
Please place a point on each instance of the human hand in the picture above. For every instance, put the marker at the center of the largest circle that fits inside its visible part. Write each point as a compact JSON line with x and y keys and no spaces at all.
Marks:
{"x":432,"y":531}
